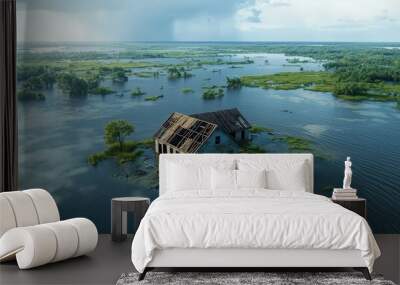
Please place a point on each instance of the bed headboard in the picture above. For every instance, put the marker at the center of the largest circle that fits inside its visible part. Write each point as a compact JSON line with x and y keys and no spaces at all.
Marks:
{"x":212,"y":158}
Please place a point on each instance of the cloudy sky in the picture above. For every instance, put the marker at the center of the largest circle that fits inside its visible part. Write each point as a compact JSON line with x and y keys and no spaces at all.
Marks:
{"x":208,"y":20}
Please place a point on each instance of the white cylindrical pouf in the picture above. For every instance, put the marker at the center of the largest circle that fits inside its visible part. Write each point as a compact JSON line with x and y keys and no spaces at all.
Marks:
{"x":34,"y":246}
{"x":67,"y":240}
{"x":87,"y":234}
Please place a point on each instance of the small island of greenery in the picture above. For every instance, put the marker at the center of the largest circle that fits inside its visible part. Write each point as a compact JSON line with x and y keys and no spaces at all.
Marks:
{"x":187,"y":90}
{"x":255,"y":129}
{"x":175,"y":73}
{"x":137,"y":92}
{"x":153,"y":98}
{"x":233,"y":83}
{"x":213,"y":93}
{"x":115,"y":133}
{"x":101,"y":91}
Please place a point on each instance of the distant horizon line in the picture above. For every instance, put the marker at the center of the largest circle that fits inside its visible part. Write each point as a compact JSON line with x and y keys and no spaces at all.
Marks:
{"x":211,"y":41}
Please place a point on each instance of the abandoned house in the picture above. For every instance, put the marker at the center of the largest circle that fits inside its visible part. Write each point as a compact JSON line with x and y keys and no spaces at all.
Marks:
{"x":219,"y":131}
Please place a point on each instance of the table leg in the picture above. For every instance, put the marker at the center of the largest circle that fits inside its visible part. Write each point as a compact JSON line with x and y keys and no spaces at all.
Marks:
{"x":116,"y":222}
{"x":124,"y":216}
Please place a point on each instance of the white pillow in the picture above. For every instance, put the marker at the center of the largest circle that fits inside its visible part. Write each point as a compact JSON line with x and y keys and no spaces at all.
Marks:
{"x":292,"y":178}
{"x":223,"y":179}
{"x":183,"y":177}
{"x":281,"y":174}
{"x":251,"y":178}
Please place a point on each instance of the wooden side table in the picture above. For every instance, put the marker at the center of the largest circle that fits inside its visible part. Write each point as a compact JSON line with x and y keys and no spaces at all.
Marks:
{"x":119,"y":212}
{"x":358,"y":206}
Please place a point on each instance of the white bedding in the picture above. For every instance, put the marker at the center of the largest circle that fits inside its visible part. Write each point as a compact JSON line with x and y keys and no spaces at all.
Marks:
{"x":250,"y":218}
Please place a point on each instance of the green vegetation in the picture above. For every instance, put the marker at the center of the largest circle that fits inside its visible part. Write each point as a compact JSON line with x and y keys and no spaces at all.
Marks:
{"x":128,"y":153}
{"x":29,"y":95}
{"x":115,"y":133}
{"x":246,"y":60}
{"x":72,"y":85}
{"x":147,"y":74}
{"x":101,"y":91}
{"x":153,"y":98}
{"x":295,"y":143}
{"x":187,"y":90}
{"x":297,"y":60}
{"x":353,"y":71}
{"x":325,"y":81}
{"x":233,"y":83}
{"x":259,"y":129}
{"x":213,"y":93}
{"x":146,"y":143}
{"x":291,"y":80}
{"x":137,"y":92}
{"x":251,"y":148}
{"x":118,"y":75}
{"x":176,"y":73}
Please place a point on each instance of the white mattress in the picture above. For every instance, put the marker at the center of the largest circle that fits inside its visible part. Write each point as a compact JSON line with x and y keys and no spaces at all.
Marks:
{"x":252,"y":219}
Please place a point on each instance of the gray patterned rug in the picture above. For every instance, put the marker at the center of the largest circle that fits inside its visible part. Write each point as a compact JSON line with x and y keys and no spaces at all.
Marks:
{"x":243,"y":278}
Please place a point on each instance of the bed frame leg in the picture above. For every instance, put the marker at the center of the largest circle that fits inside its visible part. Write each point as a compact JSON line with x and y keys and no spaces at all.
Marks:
{"x":143,"y":274}
{"x":364,"y":271}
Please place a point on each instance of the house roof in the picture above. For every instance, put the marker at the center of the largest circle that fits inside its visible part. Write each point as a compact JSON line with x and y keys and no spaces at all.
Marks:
{"x":229,"y":120}
{"x":185,"y":133}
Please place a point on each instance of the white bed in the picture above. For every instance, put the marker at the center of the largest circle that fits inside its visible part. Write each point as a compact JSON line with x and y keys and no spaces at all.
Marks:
{"x":249,"y":227}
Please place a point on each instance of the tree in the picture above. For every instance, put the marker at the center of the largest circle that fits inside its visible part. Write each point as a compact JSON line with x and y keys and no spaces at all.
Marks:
{"x":174,"y":73}
{"x":116,"y":131}
{"x":233,"y":83}
{"x":33,"y":83}
{"x":118,"y":75}
{"x":349,"y":88}
{"x":71,"y":84}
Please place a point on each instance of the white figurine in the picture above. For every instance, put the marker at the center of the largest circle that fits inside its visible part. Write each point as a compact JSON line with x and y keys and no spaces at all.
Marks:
{"x":347,"y":174}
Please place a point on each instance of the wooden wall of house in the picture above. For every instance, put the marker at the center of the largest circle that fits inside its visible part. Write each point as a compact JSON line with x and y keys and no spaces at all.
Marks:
{"x":239,"y":137}
{"x":227,"y":144}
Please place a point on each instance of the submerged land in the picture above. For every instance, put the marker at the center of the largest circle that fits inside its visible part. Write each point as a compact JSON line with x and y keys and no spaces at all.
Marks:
{"x":351,"y":71}
{"x":348,"y":71}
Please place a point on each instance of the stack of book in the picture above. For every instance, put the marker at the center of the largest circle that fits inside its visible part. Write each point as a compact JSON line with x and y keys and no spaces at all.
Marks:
{"x":344,"y":194}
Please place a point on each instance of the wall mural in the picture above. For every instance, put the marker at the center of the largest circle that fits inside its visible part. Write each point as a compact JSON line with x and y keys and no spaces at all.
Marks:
{"x":105,"y":86}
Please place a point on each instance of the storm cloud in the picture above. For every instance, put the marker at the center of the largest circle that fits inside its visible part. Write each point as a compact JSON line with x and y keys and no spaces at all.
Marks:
{"x":202,"y":20}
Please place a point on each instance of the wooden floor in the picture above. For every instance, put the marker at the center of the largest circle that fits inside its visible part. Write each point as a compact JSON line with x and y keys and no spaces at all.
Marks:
{"x":110,"y":260}
{"x":104,"y":266}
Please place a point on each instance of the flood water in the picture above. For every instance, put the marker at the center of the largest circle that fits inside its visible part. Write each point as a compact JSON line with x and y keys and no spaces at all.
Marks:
{"x":58,"y":134}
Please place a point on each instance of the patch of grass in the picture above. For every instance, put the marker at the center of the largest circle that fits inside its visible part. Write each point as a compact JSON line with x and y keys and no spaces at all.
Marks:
{"x":297,"y":60}
{"x":124,"y":157}
{"x":153,"y":98}
{"x":290,"y":80}
{"x":146,"y":74}
{"x":94,"y":159}
{"x":323,"y":81}
{"x":146,"y":143}
{"x":259,"y":129}
{"x":101,"y":91}
{"x":251,"y":148}
{"x":187,"y":90}
{"x":295,"y":143}
{"x":137,"y":92}
{"x":129,"y":152}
